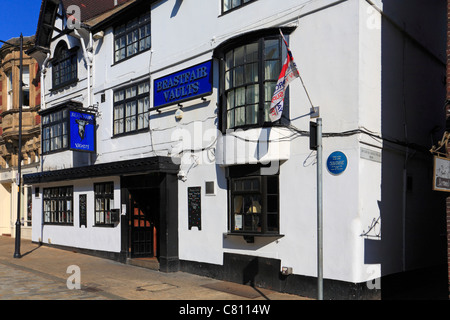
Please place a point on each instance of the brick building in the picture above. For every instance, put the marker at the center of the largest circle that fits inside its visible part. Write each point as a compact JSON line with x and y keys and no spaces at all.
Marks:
{"x":9,"y":131}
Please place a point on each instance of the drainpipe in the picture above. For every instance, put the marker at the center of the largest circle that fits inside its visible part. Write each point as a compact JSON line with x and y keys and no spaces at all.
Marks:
{"x":43,"y":72}
{"x":88,"y":58}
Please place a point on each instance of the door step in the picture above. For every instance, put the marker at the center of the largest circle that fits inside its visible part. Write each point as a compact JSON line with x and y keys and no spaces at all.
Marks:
{"x":148,"y":263}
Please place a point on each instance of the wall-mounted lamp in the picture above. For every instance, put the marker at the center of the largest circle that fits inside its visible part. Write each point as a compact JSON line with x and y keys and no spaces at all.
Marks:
{"x":179,"y":114}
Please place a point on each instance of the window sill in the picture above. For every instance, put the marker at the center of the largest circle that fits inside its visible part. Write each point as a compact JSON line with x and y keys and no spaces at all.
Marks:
{"x":129,"y":133}
{"x":64,"y":85}
{"x":250,"y":237}
{"x":112,"y":225}
{"x":46,"y":153}
{"x":115,"y":63}
{"x":235,"y":8}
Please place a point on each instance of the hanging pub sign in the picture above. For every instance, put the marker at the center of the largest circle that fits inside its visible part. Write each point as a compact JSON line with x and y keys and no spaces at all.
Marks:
{"x":82,"y":131}
{"x":191,"y":83}
{"x":441,"y":176}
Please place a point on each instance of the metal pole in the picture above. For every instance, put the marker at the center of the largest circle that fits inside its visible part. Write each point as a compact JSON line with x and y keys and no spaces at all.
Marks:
{"x":19,"y":154}
{"x":319,"y":212}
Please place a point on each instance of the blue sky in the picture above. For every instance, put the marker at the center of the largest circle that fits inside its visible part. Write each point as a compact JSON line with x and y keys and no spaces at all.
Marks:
{"x":18,"y":16}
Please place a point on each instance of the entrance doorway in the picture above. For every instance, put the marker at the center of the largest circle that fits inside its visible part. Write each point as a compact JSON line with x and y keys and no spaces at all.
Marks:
{"x":143,"y":222}
{"x":150,"y":223}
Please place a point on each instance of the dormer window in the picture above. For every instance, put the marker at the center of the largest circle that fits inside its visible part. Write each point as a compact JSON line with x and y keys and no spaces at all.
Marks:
{"x":65,"y":69}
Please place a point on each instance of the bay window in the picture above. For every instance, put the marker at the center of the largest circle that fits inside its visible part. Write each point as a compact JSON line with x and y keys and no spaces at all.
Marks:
{"x":55,"y":133}
{"x":250,"y":69}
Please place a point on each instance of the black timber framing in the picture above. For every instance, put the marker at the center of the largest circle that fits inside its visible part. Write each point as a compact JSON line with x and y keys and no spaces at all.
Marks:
{"x":142,"y":165}
{"x":167,"y":186}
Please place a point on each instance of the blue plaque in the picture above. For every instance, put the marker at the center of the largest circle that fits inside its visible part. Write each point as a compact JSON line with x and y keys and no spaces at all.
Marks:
{"x":337,"y":163}
{"x":190,"y":83}
{"x":82,"y":131}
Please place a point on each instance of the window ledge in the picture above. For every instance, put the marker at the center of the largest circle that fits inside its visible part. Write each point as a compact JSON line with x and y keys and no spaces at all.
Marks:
{"x":64,"y":85}
{"x":106,"y":225}
{"x":129,"y":57}
{"x":250,"y":237}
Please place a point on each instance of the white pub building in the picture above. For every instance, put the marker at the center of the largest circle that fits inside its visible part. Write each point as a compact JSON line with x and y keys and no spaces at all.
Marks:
{"x":157,"y":143}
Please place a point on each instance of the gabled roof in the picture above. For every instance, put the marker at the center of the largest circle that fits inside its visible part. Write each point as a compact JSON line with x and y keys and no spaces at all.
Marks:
{"x":92,"y":8}
{"x":105,"y":17}
{"x":47,"y":15}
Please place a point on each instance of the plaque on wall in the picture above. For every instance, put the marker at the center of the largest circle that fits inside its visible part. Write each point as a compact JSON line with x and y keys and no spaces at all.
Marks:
{"x":194,"y":207}
{"x":83,"y":213}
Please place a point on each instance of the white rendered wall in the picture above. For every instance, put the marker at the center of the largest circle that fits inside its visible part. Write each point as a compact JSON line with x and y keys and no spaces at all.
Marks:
{"x":339,"y":52}
{"x":332,"y":81}
{"x":89,"y":237}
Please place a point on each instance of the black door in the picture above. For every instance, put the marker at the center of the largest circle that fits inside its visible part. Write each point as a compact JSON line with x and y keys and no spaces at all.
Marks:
{"x":143,"y":224}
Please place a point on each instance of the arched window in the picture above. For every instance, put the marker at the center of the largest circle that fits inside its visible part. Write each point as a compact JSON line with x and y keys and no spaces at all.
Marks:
{"x":64,"y":65}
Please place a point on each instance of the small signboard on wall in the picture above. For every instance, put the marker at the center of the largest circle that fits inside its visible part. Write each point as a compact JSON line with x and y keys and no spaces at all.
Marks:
{"x":441,"y":176}
{"x":194,"y":207}
{"x":83,"y":211}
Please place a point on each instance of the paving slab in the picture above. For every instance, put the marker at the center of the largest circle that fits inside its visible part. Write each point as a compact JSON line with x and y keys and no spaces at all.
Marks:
{"x":48,"y":273}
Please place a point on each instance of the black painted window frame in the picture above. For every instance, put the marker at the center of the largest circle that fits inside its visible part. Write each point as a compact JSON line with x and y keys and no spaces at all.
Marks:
{"x":64,"y":66}
{"x":103,"y":203}
{"x":266,"y":87}
{"x":234,"y":5}
{"x":55,"y":127}
{"x":120,"y":116}
{"x":57,"y":206}
{"x":267,"y":190}
{"x":132,"y":37}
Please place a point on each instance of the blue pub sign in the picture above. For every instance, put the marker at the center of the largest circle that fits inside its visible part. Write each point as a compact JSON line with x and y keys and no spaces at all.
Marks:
{"x":82,"y":131}
{"x":187,"y":84}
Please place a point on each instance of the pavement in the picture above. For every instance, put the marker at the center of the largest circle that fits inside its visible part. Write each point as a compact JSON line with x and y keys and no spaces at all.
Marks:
{"x":47,"y":273}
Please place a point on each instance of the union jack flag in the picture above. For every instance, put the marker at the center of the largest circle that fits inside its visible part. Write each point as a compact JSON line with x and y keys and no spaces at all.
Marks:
{"x":288,"y":73}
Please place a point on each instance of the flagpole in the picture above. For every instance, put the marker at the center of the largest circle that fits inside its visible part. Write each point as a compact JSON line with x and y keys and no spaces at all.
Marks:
{"x":289,"y":72}
{"x":306,"y":91}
